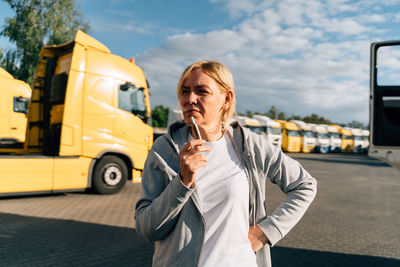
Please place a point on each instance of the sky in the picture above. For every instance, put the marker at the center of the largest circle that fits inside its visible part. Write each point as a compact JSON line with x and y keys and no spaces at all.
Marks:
{"x":302,"y":56}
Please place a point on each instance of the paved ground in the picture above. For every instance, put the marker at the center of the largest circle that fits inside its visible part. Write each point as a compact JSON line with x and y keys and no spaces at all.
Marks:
{"x":354,"y":221}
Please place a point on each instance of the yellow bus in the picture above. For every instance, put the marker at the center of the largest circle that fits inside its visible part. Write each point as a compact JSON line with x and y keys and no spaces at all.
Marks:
{"x":291,"y":138}
{"x":87,"y":123}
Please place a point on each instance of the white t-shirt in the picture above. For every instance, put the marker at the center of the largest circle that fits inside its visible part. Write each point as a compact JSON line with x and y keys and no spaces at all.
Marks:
{"x":223,"y":190}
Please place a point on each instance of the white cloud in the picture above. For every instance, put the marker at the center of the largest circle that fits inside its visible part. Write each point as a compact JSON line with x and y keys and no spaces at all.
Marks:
{"x":374,"y":18}
{"x":239,"y":7}
{"x":122,"y":29}
{"x":301,"y":56}
{"x":347,"y":26}
{"x":397,"y":17}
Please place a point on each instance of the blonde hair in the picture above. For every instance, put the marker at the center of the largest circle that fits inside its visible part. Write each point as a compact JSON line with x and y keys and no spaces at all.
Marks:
{"x":221,"y":75}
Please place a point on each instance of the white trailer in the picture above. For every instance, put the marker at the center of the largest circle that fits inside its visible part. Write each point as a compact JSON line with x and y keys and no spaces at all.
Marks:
{"x":322,"y":136}
{"x":334,"y":138}
{"x":365,"y":145}
{"x":252,"y":124}
{"x":358,"y":139}
{"x":272,"y":129}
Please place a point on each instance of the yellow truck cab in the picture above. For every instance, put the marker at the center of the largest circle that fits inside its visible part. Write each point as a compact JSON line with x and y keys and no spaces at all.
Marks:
{"x":291,"y":138}
{"x":252,"y":124}
{"x":87,"y":123}
{"x":347,"y":138}
{"x":308,"y":139}
{"x":14,"y":99}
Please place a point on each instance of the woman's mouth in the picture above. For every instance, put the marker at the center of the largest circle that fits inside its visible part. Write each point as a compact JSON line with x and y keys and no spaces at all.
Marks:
{"x":191,"y":111}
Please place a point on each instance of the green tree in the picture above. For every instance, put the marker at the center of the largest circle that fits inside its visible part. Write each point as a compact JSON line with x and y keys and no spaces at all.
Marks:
{"x":281,"y":116}
{"x":356,"y":124}
{"x":159,"y":116}
{"x":314,"y":118}
{"x":249,"y":113}
{"x":295,"y":117}
{"x":37,"y":23}
{"x":272,"y":113}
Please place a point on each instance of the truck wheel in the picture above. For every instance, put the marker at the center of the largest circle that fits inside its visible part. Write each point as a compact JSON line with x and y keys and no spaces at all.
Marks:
{"x":109,"y":176}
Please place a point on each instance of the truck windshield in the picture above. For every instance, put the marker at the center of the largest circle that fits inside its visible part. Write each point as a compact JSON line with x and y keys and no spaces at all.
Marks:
{"x":335,"y":135}
{"x":323,"y":135}
{"x":131,"y":99}
{"x":347,"y":137}
{"x":308,"y":134}
{"x":357,"y":137}
{"x":256,"y":129}
{"x":272,"y":130}
{"x":293,"y":133}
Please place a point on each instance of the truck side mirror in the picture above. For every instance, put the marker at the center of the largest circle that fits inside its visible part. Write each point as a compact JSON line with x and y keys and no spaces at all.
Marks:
{"x":125,"y":87}
{"x":21,"y":104}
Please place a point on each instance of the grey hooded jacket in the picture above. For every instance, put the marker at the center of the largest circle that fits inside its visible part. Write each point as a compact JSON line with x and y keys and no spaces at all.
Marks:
{"x":168,"y":212}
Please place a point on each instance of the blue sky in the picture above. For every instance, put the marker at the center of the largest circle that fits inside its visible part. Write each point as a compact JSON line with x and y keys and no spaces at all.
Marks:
{"x":303,"y":56}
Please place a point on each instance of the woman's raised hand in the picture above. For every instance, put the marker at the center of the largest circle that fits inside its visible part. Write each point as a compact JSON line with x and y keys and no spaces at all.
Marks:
{"x":191,"y":159}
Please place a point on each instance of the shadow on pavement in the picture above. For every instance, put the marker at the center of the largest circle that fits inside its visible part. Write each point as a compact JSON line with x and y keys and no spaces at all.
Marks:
{"x":360,"y":159}
{"x":31,"y":241}
{"x":287,"y":257}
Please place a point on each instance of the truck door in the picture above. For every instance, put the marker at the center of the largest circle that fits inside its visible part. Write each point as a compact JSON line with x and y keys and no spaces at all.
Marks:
{"x":385,"y":93}
{"x":18,"y":117}
{"x":385,"y":102}
{"x":5,"y":110}
{"x":131,"y":130}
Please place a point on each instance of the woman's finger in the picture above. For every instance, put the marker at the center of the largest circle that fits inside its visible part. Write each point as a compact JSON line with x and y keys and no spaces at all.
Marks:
{"x":193,"y":143}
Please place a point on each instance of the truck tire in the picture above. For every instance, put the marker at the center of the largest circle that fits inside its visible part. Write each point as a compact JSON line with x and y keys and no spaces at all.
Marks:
{"x":109,"y":175}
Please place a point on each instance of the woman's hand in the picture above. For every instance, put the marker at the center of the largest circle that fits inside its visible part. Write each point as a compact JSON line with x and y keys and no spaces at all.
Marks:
{"x":191,"y":160}
{"x":257,"y":238}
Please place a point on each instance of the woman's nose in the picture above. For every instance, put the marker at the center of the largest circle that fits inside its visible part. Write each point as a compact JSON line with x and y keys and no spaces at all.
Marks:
{"x":192,"y":98}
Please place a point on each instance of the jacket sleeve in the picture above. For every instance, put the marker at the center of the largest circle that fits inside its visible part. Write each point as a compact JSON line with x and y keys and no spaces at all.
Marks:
{"x":299,"y":186}
{"x":161,"y":200}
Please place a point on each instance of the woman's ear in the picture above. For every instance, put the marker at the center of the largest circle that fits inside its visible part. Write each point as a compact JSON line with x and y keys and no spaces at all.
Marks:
{"x":228,"y":99}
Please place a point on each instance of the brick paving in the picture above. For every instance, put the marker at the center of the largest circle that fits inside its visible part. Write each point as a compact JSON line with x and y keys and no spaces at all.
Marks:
{"x":354,"y":221}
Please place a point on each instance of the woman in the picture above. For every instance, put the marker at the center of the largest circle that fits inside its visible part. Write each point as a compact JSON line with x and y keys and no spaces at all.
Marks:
{"x":203,"y":200}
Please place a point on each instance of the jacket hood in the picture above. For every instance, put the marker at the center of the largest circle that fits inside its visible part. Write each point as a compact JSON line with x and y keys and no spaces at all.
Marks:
{"x":178,"y":134}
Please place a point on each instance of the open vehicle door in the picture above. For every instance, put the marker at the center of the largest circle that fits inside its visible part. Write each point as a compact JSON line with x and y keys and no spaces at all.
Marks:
{"x":385,"y":102}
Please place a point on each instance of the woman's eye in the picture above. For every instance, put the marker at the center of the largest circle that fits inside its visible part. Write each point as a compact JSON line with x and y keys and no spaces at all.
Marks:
{"x":203,"y":91}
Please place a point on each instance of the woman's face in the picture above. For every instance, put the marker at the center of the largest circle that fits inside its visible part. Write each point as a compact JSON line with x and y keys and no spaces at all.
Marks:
{"x":202,"y":99}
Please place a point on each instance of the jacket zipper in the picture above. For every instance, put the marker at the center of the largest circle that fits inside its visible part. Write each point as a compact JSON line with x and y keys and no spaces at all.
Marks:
{"x":204,"y":227}
{"x":195,"y":203}
{"x":247,"y":171}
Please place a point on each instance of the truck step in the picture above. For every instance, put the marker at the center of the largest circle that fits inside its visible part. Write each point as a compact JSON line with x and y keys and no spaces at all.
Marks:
{"x":35,"y":146}
{"x":38,"y":101}
{"x":36,"y":123}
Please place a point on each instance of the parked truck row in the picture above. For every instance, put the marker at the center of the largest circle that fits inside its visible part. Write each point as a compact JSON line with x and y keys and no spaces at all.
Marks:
{"x":299,"y":136}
